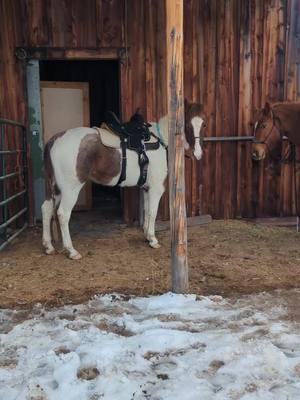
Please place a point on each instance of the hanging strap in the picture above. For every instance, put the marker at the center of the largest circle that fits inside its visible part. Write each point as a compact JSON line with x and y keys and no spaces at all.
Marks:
{"x":124,"y":161}
{"x":143,"y":163}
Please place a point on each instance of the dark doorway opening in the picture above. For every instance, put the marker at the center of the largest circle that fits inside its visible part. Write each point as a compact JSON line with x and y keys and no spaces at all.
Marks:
{"x":104,"y":94}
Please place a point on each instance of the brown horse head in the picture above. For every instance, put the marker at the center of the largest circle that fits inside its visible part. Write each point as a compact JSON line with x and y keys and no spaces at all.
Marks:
{"x":267,"y":138}
{"x":194,"y":127}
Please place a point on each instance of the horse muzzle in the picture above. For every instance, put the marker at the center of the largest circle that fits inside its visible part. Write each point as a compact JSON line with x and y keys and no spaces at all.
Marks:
{"x":198,"y":154}
{"x":258,"y":155}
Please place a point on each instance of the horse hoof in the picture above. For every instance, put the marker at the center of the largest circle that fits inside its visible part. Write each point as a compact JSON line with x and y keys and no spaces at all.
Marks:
{"x":50,"y":252}
{"x":155,"y":245}
{"x":76,"y":256}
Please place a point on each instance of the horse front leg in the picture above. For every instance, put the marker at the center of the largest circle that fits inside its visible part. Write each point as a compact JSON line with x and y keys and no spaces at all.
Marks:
{"x":154,"y":193}
{"x":146,"y":212}
{"x":68,"y":199}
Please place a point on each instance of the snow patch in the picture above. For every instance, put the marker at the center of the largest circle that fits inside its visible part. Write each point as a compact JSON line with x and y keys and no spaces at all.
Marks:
{"x":161,"y":347}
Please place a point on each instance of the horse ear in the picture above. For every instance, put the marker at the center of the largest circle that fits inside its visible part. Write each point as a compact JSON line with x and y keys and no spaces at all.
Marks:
{"x":138,"y":111}
{"x":267,"y":109}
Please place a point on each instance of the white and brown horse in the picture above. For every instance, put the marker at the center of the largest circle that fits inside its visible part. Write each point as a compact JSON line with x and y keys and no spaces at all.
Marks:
{"x":272,"y":123}
{"x":73,"y":157}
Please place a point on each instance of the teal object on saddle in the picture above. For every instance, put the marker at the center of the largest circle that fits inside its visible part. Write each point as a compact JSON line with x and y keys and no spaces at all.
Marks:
{"x":159,"y":133}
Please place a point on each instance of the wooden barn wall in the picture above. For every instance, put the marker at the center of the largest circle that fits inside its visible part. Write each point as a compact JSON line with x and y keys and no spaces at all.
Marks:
{"x":93,"y":23}
{"x":237,"y":54}
{"x":12,"y":95}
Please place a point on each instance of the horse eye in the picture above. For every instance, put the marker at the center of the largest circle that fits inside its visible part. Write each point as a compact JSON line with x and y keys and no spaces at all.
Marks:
{"x":263,"y":126}
{"x":204,"y":125}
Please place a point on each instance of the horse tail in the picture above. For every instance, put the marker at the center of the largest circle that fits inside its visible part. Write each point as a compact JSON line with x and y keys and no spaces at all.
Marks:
{"x":52,"y":190}
{"x":51,"y":187}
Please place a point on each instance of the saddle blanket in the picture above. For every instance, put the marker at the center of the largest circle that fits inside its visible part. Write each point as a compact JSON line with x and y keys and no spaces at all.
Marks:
{"x":111,"y":139}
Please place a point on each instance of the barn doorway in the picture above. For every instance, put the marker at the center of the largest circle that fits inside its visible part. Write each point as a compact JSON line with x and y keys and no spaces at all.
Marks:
{"x":101,"y":77}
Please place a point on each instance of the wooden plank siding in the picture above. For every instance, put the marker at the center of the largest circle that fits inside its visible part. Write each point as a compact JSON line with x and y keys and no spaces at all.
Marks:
{"x":237,"y":55}
{"x":247,"y":59}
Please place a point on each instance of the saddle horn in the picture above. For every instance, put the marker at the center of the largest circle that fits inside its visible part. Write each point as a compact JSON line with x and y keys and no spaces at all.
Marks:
{"x":139,"y":118}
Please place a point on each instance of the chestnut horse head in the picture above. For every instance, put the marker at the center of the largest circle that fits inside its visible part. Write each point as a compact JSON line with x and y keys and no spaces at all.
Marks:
{"x":267,"y":137}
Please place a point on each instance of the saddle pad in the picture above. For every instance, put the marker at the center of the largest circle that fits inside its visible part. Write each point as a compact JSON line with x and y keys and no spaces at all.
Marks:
{"x":111,"y":139}
{"x":108,"y":137}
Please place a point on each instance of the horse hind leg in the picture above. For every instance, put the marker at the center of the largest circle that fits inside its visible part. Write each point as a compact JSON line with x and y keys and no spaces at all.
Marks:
{"x":55,"y":228}
{"x":146,"y":212}
{"x":155,"y":193}
{"x":47,"y":214}
{"x":68,"y":199}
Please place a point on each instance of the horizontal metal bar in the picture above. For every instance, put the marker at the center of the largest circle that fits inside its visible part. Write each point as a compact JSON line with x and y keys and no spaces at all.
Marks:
{"x":231,"y":138}
{"x":9,"y":175}
{"x":228,"y":139}
{"x":12,"y":197}
{"x":12,"y":237}
{"x":10,"y":220}
{"x":11,"y":151}
{"x":10,"y":122}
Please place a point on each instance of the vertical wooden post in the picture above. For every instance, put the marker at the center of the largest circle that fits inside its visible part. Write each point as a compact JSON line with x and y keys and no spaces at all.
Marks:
{"x":174,"y":27}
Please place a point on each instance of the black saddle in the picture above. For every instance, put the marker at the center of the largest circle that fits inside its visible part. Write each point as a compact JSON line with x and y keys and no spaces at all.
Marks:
{"x":135,"y":132}
{"x":133,"y":135}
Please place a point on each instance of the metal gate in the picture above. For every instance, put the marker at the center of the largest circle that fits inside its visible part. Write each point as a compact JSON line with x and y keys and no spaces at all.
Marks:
{"x":13,"y":181}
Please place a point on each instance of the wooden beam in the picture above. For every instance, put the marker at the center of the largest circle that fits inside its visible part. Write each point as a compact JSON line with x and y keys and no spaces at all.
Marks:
{"x":174,"y":28}
{"x":61,"y":53}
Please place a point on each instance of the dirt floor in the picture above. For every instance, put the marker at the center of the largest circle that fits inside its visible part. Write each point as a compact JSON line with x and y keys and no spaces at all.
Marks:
{"x":225,"y":257}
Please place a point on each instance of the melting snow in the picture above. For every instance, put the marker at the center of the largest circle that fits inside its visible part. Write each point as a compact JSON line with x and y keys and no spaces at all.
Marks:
{"x":162,"y":347}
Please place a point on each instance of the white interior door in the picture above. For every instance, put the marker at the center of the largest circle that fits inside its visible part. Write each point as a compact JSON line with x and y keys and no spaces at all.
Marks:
{"x":65,"y":105}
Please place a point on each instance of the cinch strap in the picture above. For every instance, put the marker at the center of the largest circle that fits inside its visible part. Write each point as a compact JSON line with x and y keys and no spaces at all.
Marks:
{"x":124,"y":161}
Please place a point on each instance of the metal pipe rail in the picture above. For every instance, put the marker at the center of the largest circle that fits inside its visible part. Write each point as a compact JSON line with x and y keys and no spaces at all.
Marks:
{"x":11,"y":152}
{"x":228,"y":139}
{"x":12,"y":197}
{"x":231,"y":138}
{"x":10,"y":217}
{"x":2,"y":177}
{"x":13,"y":218}
{"x":12,"y":237}
{"x":11,"y":122}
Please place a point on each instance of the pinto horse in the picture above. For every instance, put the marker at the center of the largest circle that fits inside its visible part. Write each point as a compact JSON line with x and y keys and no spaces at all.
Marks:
{"x":73,"y":157}
{"x":272,"y":123}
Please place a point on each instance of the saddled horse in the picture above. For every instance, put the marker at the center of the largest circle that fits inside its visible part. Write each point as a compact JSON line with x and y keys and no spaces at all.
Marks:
{"x":77,"y":155}
{"x":272,"y":123}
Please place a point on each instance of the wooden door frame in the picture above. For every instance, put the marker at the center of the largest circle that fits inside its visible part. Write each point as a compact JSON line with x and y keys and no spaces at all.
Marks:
{"x":119,"y":54}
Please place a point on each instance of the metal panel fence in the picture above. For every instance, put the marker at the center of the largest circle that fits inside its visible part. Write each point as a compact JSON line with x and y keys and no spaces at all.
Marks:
{"x":13,"y":181}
